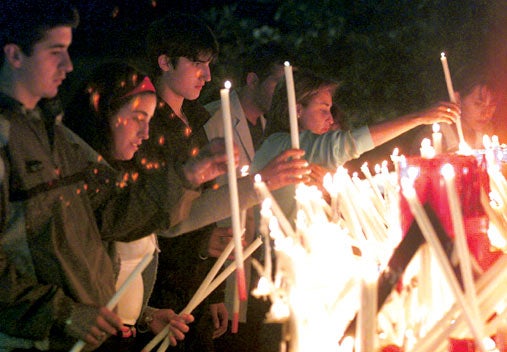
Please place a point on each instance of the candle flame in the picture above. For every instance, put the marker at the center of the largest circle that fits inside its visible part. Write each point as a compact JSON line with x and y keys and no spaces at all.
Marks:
{"x":447,"y":171}
{"x":436,"y":127}
{"x":442,"y":55}
{"x":227,"y":84}
{"x":286,"y":63}
{"x":244,"y":170}
{"x":258,"y":178}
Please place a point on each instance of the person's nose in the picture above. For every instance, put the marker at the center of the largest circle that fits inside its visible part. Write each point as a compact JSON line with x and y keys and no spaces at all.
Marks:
{"x":206,"y":73}
{"x":66,"y":62}
{"x":144,"y":131}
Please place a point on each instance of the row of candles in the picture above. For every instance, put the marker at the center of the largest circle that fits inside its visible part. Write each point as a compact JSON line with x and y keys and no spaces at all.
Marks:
{"x":373,"y":225}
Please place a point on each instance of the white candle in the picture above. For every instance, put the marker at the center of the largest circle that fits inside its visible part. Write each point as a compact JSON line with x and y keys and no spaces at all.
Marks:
{"x":78,"y":346}
{"x":427,"y":151}
{"x":447,"y":75}
{"x":452,"y":97}
{"x":367,"y":315}
{"x":437,"y":138}
{"x":264,"y":193}
{"x":233,"y":190}
{"x":291,"y":100}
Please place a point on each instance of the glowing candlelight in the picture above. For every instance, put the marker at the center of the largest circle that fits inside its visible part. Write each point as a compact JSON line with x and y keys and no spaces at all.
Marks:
{"x":264,"y":193}
{"x":233,"y":190}
{"x":427,"y":151}
{"x":291,"y":99}
{"x":437,"y":138}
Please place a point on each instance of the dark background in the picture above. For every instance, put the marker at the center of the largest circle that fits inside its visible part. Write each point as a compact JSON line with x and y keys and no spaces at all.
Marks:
{"x":385,"y":53}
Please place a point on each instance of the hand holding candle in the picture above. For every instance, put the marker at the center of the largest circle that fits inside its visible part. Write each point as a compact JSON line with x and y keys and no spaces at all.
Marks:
{"x":233,"y":189}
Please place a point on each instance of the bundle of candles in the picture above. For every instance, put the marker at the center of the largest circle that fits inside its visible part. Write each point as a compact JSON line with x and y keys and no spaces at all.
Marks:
{"x":405,"y":260}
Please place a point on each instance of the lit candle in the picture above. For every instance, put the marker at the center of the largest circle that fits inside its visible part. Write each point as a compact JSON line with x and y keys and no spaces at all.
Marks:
{"x":437,"y":138}
{"x":264,"y":193}
{"x":291,"y":99}
{"x":452,"y":98}
{"x":233,"y":191}
{"x":427,"y":151}
{"x":447,"y":75}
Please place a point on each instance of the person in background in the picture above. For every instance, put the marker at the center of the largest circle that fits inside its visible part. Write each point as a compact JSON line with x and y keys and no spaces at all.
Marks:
{"x":323,"y":146}
{"x":111,"y":111}
{"x":262,"y":70}
{"x":477,"y":96}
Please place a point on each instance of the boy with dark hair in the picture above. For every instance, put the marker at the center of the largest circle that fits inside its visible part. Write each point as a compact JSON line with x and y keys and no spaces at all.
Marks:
{"x":180,"y":48}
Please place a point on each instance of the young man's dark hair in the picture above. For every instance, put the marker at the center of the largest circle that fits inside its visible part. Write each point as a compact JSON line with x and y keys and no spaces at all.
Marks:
{"x":22,"y":22}
{"x":263,"y":58}
{"x":189,"y":37}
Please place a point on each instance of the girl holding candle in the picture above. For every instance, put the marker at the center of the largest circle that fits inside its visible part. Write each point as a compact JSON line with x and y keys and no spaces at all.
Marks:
{"x":111,"y":111}
{"x":323,"y":146}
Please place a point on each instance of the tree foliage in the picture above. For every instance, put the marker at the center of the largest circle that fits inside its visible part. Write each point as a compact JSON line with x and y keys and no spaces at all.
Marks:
{"x":385,"y":53}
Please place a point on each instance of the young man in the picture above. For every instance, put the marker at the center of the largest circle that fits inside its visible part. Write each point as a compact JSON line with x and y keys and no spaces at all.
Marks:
{"x":262,"y":70}
{"x":55,"y":273}
{"x":180,"y":48}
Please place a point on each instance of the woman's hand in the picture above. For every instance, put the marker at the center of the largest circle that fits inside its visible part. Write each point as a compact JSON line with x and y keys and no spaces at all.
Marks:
{"x":287,"y":168}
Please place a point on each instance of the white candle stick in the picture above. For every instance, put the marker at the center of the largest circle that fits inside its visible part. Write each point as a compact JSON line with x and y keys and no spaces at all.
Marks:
{"x":210,"y":288}
{"x":461,"y":243}
{"x":452,"y":97}
{"x":367,"y":315}
{"x":264,"y":193}
{"x":431,"y":237}
{"x":427,"y":151}
{"x":291,"y":100}
{"x":436,"y":136}
{"x":233,"y":191}
{"x":78,"y":346}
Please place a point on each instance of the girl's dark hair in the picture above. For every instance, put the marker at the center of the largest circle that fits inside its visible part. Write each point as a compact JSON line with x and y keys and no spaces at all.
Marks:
{"x":98,"y":98}
{"x":306,"y":85}
{"x":25,"y":22}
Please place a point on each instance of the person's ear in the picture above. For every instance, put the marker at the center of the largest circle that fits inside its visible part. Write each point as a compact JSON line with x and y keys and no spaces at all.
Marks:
{"x":251,"y":79}
{"x":13,"y":55}
{"x":299,"y":109}
{"x":164,"y":63}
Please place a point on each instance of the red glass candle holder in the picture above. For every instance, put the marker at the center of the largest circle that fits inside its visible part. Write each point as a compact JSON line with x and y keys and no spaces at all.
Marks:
{"x":470,"y":177}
